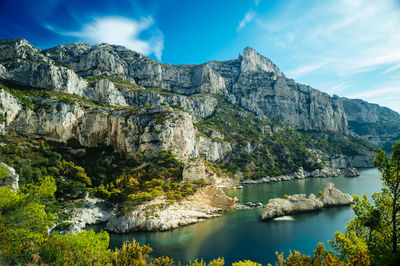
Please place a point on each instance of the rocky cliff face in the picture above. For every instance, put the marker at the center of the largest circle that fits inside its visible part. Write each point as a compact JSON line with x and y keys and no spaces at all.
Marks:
{"x":240,"y":118}
{"x":206,"y":203}
{"x":376,"y":124}
{"x":128,"y":101}
{"x":252,"y":80}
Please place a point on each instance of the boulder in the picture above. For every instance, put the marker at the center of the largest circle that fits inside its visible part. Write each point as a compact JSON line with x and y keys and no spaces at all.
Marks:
{"x":334,"y":197}
{"x":351,"y":172}
{"x":11,"y":180}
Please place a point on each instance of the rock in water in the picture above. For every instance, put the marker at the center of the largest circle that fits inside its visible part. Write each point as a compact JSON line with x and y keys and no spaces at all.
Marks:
{"x":351,"y":172}
{"x":298,"y":203}
{"x":293,"y":204}
{"x":334,"y":197}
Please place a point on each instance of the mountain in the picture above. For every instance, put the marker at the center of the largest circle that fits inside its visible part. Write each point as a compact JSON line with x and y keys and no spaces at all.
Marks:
{"x":377,"y":125}
{"x":105,"y":120}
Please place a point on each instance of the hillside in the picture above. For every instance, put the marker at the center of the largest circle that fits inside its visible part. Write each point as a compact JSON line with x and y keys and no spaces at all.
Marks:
{"x":129,"y":130}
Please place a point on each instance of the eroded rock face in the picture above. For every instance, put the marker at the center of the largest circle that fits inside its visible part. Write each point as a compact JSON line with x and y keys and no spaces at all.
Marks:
{"x":376,"y":124}
{"x":11,"y":179}
{"x":351,"y":172}
{"x":104,"y":91}
{"x":92,"y":212}
{"x":334,"y":197}
{"x":207,"y":202}
{"x":252,"y":80}
{"x":298,"y":203}
{"x":293,"y":204}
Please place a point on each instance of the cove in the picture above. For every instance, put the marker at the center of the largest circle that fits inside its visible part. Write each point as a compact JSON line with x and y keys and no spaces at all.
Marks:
{"x":240,"y":234}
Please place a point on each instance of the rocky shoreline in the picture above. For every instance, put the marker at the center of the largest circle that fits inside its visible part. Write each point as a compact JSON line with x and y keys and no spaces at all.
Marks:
{"x":300,"y":174}
{"x":299,"y":203}
{"x":155,"y":215}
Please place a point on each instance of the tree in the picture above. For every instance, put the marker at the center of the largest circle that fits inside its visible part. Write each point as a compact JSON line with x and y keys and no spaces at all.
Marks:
{"x":375,"y":227}
{"x":390,"y":171}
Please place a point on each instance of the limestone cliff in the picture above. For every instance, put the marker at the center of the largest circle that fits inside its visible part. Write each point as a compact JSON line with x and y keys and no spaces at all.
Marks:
{"x":376,"y":124}
{"x":108,"y":95}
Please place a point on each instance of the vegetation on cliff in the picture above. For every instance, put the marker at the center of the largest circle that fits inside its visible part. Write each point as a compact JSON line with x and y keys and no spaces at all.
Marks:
{"x":262,"y":147}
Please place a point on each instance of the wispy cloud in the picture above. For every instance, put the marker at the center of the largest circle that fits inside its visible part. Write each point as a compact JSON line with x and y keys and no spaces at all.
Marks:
{"x":336,"y":89}
{"x":123,"y":31}
{"x":256,"y":2}
{"x":361,"y":37}
{"x":295,"y":73}
{"x":375,"y":93}
{"x":392,"y":68}
{"x":250,"y":15}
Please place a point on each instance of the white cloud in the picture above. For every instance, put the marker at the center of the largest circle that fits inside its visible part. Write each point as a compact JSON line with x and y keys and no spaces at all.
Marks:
{"x":375,"y":93}
{"x":387,"y":96}
{"x":123,"y":31}
{"x":361,"y":37}
{"x":295,"y":73}
{"x":246,"y":20}
{"x":336,"y":89}
{"x":391,"y":69}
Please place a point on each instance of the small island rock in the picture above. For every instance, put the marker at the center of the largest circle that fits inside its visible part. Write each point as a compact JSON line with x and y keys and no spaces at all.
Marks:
{"x":298,"y":203}
{"x":351,"y":172}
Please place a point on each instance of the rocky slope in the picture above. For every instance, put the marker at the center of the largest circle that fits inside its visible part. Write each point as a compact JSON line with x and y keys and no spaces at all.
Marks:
{"x":376,"y":124}
{"x":157,"y":214}
{"x":10,"y":179}
{"x":240,"y":118}
{"x":298,"y":203}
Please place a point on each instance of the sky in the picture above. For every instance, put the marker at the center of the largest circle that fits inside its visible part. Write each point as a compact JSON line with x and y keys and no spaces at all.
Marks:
{"x":350,"y":48}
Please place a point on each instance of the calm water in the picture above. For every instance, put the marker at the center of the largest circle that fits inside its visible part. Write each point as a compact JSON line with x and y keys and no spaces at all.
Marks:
{"x":240,"y":234}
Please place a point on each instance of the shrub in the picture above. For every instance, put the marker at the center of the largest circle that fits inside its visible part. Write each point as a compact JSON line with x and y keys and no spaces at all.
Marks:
{"x":3,"y":172}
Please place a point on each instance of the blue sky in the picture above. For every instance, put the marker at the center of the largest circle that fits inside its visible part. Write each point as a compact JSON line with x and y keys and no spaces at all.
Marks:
{"x":346,"y":47}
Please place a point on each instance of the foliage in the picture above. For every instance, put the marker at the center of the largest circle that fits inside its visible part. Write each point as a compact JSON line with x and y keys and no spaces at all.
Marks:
{"x":263,"y":148}
{"x":374,"y":229}
{"x":3,"y":172}
{"x":24,"y":221}
{"x":321,"y":257}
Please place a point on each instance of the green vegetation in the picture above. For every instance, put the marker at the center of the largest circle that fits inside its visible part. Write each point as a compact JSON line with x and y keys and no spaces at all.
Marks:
{"x":118,"y":82}
{"x":26,"y":95}
{"x":263,"y":148}
{"x":375,"y":228}
{"x":25,"y":219}
{"x":98,"y":171}
{"x":3,"y":172}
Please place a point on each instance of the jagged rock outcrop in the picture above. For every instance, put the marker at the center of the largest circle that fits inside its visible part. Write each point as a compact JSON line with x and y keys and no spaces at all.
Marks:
{"x":351,"y":172}
{"x":11,"y":180}
{"x":93,"y":211}
{"x":334,"y":197}
{"x":104,"y":91}
{"x":154,"y":95}
{"x":207,"y":202}
{"x":299,"y":203}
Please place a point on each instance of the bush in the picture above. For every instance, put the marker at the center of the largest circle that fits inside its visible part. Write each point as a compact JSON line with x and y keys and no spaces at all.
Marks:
{"x":3,"y":172}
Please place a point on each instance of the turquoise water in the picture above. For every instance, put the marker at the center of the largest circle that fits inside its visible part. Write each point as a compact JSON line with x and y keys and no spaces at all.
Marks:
{"x":240,"y":234}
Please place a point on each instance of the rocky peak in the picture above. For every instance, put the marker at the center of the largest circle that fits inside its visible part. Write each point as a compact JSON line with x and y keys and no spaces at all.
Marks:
{"x":20,"y":49}
{"x":252,"y":61}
